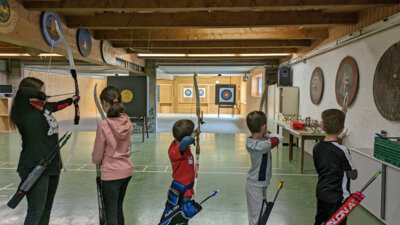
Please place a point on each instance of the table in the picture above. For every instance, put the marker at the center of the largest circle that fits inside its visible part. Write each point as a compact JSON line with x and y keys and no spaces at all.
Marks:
{"x":303,"y":136}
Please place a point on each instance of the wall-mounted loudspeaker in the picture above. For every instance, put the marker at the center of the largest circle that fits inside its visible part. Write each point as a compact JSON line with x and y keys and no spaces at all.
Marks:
{"x":284,"y":78}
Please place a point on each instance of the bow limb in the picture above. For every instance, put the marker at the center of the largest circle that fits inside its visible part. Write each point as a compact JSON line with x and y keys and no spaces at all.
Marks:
{"x":346,"y":131}
{"x":198,"y":113}
{"x":98,"y":174}
{"x":199,"y":121}
{"x":345,"y":100}
{"x":74,"y":76}
{"x":96,"y":100}
{"x":264,"y":96}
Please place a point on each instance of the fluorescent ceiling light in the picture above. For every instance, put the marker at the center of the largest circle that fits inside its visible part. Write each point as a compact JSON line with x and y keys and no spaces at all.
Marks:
{"x":160,"y":55}
{"x":264,"y":54}
{"x":14,"y":54}
{"x":26,"y":54}
{"x":49,"y":54}
{"x":212,"y":55}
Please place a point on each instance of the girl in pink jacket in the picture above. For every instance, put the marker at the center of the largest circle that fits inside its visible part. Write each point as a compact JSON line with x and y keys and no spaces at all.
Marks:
{"x":111,"y":151}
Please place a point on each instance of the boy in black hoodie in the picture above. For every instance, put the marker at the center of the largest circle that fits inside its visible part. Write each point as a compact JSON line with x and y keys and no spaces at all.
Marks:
{"x":334,"y":166}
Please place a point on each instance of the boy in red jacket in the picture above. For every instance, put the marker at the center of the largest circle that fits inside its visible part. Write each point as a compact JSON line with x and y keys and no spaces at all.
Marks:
{"x":182,"y":161}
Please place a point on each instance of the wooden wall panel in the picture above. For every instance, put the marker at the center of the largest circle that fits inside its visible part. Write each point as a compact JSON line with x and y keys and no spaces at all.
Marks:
{"x":188,"y":105}
{"x":166,"y":90}
{"x":164,"y":108}
{"x":61,"y":84}
{"x":165,"y":105}
{"x":365,"y":18}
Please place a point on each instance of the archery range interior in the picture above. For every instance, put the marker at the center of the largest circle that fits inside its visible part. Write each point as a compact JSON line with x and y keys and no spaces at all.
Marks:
{"x":290,"y":59}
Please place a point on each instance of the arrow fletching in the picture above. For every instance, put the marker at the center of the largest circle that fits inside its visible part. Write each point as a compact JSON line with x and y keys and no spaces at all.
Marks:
{"x":280,"y":185}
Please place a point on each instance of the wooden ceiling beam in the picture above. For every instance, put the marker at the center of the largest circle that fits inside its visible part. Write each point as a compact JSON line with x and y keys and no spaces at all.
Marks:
{"x":208,"y":20}
{"x":213,"y":34}
{"x":216,"y":51}
{"x":212,"y":44}
{"x":196,"y":5}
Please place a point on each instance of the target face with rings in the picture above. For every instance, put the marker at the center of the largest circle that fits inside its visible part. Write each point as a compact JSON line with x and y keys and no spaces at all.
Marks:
{"x":226,"y":95}
{"x":202,"y":92}
{"x":187,"y":92}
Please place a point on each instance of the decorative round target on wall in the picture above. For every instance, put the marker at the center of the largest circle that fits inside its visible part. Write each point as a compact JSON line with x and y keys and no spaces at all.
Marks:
{"x":8,"y":16}
{"x":84,"y":42}
{"x":386,"y":87}
{"x":317,"y":86}
{"x":347,"y":79}
{"x":126,"y":96}
{"x":48,"y":25}
{"x":106,"y":51}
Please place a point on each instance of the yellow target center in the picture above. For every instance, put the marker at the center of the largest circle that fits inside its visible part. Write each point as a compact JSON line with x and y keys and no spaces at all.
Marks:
{"x":126,"y":96}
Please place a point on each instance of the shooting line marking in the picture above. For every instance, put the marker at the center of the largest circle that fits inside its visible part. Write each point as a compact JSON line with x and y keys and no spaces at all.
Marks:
{"x":211,"y":172}
{"x":82,"y":167}
{"x":145,"y":168}
{"x":6,"y":187}
{"x":3,"y":163}
{"x":166,"y":169}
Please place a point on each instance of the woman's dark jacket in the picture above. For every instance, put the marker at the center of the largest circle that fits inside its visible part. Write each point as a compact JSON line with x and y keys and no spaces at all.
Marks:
{"x":38,"y":129}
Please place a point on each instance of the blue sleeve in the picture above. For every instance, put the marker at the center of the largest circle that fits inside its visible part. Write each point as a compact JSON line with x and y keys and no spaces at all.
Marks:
{"x":186,"y":141}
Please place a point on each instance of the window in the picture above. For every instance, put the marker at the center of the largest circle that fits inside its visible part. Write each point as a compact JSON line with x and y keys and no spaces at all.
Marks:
{"x":257,"y":86}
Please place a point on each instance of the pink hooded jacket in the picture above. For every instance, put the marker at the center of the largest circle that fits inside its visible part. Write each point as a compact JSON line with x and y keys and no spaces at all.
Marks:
{"x":111,"y":148}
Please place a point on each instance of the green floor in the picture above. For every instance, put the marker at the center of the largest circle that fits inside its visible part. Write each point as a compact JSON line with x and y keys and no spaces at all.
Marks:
{"x":223,"y":165}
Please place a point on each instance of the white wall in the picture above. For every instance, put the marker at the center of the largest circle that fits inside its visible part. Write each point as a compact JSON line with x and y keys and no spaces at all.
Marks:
{"x":363,"y":118}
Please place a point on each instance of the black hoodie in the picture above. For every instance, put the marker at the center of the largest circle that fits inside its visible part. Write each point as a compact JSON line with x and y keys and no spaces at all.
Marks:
{"x":38,"y":129}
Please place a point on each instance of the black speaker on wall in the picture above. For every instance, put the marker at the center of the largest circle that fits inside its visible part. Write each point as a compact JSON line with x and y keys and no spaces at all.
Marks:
{"x":134,"y":92}
{"x":284,"y":76}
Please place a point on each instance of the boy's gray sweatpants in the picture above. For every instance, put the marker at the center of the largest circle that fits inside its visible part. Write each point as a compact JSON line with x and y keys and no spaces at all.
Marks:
{"x":255,"y":196}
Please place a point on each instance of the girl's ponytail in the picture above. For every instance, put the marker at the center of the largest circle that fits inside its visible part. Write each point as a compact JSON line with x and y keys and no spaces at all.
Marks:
{"x":112,"y":95}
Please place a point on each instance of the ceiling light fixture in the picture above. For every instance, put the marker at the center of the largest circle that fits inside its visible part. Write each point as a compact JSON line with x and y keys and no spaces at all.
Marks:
{"x":211,"y":55}
{"x":50,"y":54}
{"x":27,"y":55}
{"x":13,"y":54}
{"x":160,"y":55}
{"x":264,"y":54}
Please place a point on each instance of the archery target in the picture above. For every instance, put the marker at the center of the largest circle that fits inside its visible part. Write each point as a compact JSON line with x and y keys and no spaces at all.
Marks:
{"x":187,"y":92}
{"x":202,"y":92}
{"x":126,"y":96}
{"x":225,"y":95}
{"x":134,"y":93}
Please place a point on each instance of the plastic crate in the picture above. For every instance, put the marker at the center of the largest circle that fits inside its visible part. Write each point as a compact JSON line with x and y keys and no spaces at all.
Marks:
{"x":296,"y":125}
{"x":387,"y":150}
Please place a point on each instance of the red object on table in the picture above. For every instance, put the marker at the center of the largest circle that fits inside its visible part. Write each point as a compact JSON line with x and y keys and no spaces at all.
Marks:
{"x":296,"y":125}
